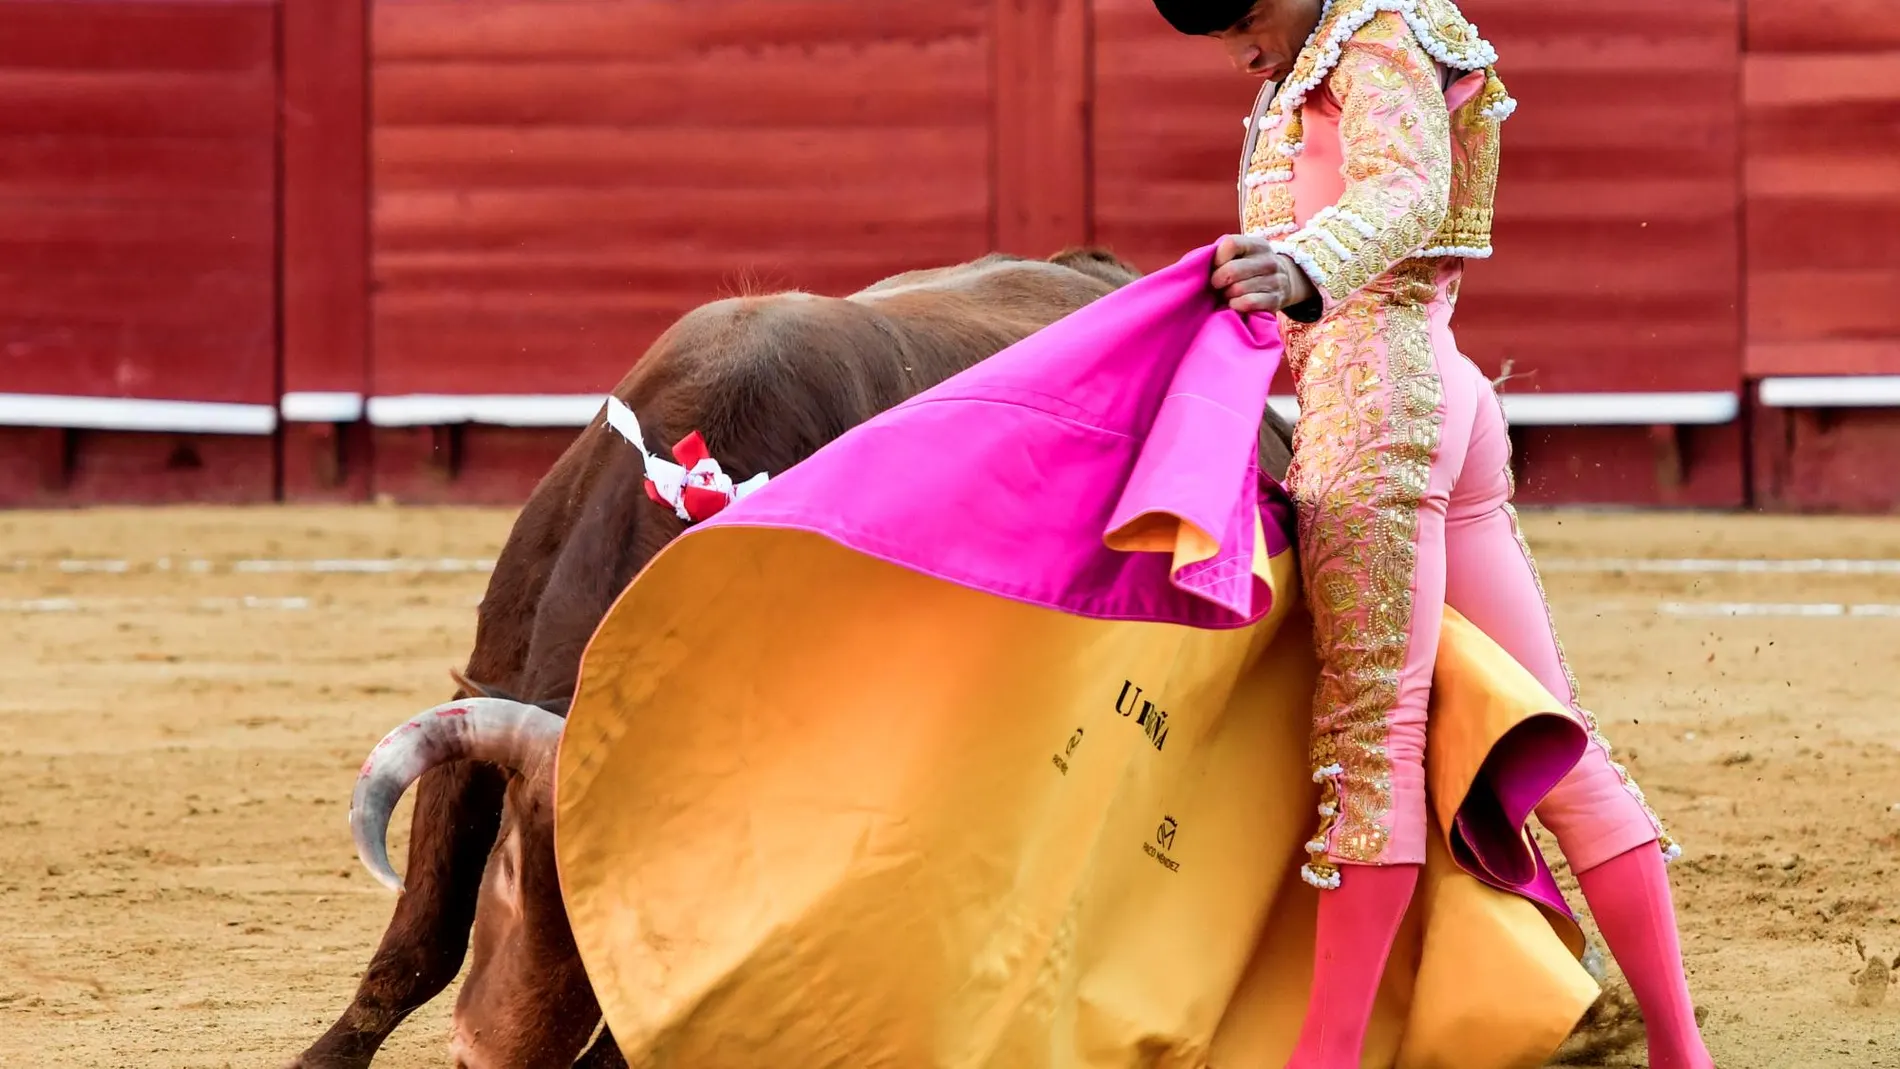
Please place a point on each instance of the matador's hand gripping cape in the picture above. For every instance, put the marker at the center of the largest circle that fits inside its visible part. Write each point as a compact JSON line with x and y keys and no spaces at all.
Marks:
{"x":979,"y":739}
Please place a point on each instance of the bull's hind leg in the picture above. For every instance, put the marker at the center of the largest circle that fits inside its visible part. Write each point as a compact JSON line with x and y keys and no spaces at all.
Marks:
{"x":458,"y":812}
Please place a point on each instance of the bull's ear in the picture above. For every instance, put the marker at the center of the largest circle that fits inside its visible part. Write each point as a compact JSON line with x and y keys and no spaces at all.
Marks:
{"x":469,"y":687}
{"x":557,"y":706}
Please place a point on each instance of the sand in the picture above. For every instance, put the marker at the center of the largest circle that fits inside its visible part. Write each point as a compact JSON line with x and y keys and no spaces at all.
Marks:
{"x":183,"y":713}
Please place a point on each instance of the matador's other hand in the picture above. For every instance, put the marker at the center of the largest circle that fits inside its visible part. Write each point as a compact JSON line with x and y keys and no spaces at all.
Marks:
{"x":1254,"y":278}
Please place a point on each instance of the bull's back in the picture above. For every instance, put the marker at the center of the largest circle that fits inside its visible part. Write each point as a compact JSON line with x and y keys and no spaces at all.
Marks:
{"x":986,"y":306}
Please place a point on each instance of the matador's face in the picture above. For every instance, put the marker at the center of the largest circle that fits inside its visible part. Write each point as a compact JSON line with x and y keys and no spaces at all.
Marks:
{"x":1265,"y":42}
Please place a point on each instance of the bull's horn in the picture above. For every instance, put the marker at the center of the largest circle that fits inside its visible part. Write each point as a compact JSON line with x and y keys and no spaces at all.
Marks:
{"x":514,"y":735}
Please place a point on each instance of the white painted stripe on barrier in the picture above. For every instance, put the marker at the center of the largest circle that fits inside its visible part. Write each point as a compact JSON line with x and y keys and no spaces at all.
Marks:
{"x":503,"y":410}
{"x":1831,"y":391}
{"x":1619,"y":409}
{"x":135,"y":414}
{"x":1597,"y":409}
{"x":321,"y":406}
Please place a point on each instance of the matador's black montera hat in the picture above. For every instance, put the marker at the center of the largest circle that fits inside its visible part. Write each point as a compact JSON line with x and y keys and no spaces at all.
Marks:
{"x":1199,"y":17}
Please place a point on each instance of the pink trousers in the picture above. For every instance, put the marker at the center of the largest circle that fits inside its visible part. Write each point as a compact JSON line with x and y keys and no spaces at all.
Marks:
{"x":1402,"y":472}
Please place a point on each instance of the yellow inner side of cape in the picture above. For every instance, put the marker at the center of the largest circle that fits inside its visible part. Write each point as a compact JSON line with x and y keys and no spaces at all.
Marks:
{"x":817,"y":810}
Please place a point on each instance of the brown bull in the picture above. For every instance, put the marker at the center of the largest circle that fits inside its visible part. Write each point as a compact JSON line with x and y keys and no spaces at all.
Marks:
{"x":768,"y":381}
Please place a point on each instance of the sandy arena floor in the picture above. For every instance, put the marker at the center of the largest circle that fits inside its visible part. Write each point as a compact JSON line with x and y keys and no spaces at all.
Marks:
{"x":187,"y":696}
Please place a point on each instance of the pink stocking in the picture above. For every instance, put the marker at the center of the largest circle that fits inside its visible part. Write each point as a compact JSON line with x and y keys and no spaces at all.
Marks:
{"x":1629,"y":895}
{"x":1357,"y":924}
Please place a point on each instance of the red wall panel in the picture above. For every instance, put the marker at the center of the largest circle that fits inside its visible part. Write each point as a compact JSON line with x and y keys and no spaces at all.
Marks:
{"x":1823,"y":184}
{"x":325,"y":228}
{"x":555,"y":183}
{"x":1822,"y":105}
{"x":1618,"y":256}
{"x":1167,"y":136}
{"x":1042,"y":107}
{"x":326,"y":195}
{"x":137,"y":186}
{"x":1822,"y":26}
{"x":1617,"y":217}
{"x":1617,"y":252}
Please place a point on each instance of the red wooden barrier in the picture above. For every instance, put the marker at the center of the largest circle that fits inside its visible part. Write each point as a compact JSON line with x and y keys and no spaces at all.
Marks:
{"x":1822,"y":98}
{"x":326,"y":249}
{"x":1168,"y":113}
{"x":1041,"y":111}
{"x":1618,"y":263}
{"x":554,"y":184}
{"x":1617,"y":267}
{"x":488,"y":210}
{"x":137,"y":250}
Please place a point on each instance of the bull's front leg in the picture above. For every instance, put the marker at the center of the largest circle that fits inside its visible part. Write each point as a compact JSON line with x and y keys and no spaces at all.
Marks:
{"x":458,"y":812}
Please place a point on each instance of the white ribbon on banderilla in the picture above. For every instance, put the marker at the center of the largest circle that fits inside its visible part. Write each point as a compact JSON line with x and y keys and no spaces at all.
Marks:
{"x":693,"y":484}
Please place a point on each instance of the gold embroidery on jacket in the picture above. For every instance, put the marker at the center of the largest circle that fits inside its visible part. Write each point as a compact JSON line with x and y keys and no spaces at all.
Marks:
{"x":1438,"y":30}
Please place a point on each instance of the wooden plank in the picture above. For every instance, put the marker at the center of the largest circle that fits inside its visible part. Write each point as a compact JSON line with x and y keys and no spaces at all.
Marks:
{"x":682,"y":268}
{"x":1648,"y":343}
{"x":580,"y":352}
{"x":1806,"y":303}
{"x":949,"y":85}
{"x":1858,"y":169}
{"x":1823,"y":26}
{"x":149,"y":35}
{"x":163,"y":362}
{"x":128,"y":294}
{"x":237,"y":223}
{"x":1041,"y":117}
{"x":714,"y":33}
{"x":1824,"y":230}
{"x":137,"y":168}
{"x":759,"y":159}
{"x":326,"y":199}
{"x":1823,"y":357}
{"x":138,"y":103}
{"x":1608,"y":33}
{"x":1825,"y":81}
{"x":923,"y":217}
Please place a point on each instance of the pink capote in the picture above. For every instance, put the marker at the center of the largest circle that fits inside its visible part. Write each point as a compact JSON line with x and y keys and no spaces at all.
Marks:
{"x":1008,"y":477}
{"x":1016,"y":478}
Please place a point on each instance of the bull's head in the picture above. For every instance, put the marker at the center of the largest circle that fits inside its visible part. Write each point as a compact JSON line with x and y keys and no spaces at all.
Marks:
{"x":526,"y":1001}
